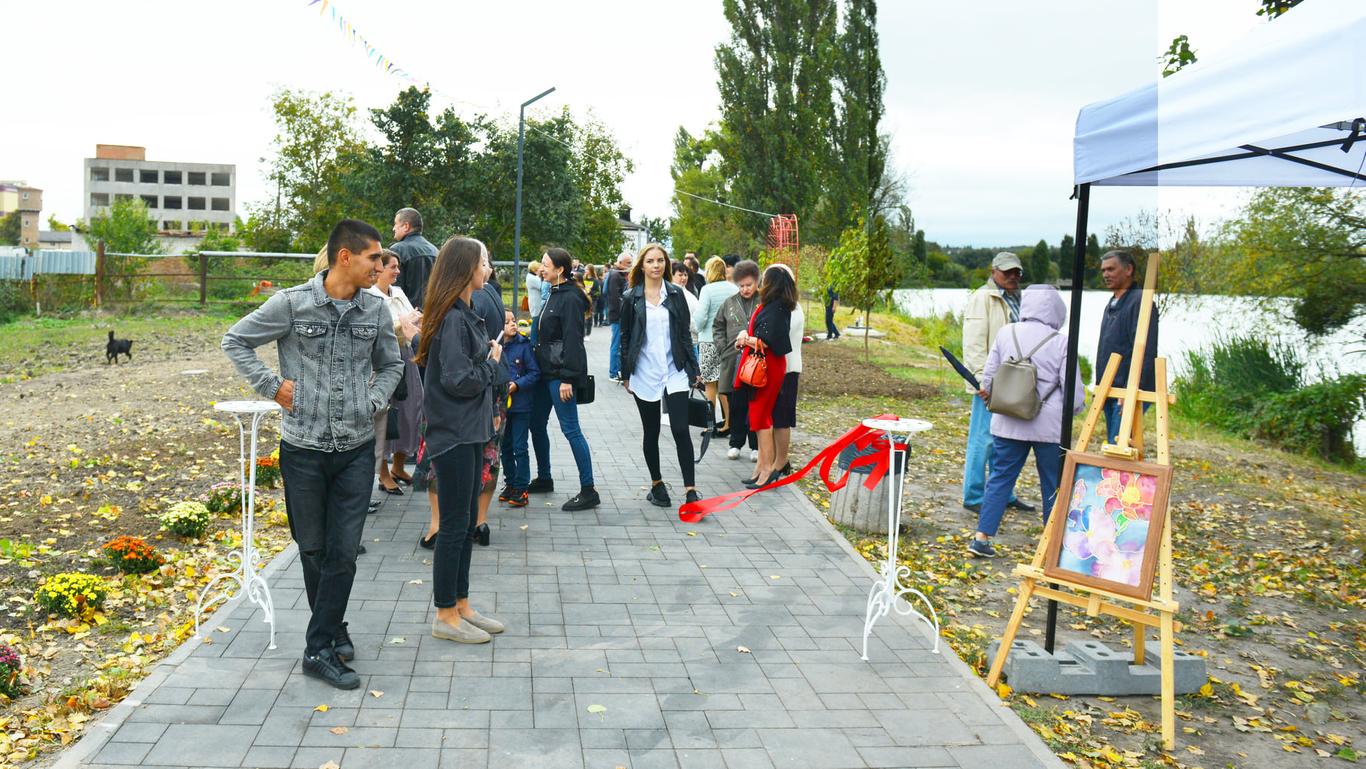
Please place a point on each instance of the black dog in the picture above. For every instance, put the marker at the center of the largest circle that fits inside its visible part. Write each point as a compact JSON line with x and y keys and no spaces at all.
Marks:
{"x":117,"y":347}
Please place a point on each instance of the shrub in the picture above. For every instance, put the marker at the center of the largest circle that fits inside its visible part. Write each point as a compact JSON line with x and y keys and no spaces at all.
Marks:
{"x":1316,"y":419}
{"x":132,"y":555}
{"x":186,"y":519}
{"x":1225,"y":384}
{"x":10,"y":668}
{"x":71,"y":594}
{"x":224,"y":498}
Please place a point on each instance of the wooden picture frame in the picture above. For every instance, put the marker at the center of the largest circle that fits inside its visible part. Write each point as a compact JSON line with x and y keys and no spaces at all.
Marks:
{"x":1106,"y":530}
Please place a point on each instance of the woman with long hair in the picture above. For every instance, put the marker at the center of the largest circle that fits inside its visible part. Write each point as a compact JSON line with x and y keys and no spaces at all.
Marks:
{"x":785,"y":408}
{"x":767,"y":335}
{"x":564,"y":364}
{"x":657,"y":363}
{"x":464,"y":367}
{"x":717,"y":290}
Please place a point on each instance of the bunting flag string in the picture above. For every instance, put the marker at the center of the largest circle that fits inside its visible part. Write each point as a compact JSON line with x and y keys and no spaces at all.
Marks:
{"x":861,"y":438}
{"x":353,"y":36}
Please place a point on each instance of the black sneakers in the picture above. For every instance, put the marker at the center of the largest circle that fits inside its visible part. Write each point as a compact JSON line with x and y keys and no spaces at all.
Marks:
{"x":481,"y":535}
{"x":325,"y":667}
{"x":585,"y":499}
{"x":541,"y":486}
{"x":658,"y":496}
{"x":341,"y":644}
{"x":692,"y":496}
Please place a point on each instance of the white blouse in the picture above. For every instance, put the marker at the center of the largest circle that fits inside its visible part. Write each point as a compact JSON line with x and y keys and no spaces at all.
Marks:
{"x":398,"y":307}
{"x":656,"y":372}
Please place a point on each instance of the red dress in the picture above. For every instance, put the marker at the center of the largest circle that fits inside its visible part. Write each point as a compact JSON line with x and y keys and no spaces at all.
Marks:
{"x":761,"y":399}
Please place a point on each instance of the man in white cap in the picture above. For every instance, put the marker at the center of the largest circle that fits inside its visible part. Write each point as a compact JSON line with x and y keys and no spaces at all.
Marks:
{"x":989,"y":308}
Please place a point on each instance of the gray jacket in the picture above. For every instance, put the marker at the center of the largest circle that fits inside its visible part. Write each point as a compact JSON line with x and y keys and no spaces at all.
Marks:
{"x":460,"y":382}
{"x":331,"y":355}
{"x":731,"y":319}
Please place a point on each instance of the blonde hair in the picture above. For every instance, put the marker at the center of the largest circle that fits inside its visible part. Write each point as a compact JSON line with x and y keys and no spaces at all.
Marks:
{"x":715,"y":270}
{"x":320,"y":261}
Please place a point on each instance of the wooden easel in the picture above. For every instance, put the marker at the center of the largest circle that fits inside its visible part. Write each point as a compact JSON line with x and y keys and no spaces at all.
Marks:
{"x":1160,"y":610}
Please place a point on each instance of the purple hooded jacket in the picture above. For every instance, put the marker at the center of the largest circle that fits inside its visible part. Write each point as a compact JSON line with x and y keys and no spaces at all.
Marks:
{"x":1041,"y":313}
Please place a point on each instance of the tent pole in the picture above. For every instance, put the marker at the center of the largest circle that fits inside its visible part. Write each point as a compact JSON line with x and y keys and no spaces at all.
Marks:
{"x":1069,"y":388}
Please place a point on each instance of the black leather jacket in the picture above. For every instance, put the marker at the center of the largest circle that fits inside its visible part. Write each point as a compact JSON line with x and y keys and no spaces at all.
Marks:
{"x":680,"y":330}
{"x":559,"y":336}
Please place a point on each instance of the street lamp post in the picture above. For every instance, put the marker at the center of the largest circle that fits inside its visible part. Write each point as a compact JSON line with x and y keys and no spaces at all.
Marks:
{"x":517,"y":217}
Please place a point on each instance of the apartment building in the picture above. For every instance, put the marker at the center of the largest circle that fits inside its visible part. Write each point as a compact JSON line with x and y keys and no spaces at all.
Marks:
{"x":181,"y":197}
{"x":28,"y":201}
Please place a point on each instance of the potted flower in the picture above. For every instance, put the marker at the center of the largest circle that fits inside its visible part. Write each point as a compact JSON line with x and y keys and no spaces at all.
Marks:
{"x":132,"y":555}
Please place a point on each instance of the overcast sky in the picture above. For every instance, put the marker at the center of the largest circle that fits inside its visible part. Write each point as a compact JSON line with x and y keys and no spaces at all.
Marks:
{"x":981,"y":98}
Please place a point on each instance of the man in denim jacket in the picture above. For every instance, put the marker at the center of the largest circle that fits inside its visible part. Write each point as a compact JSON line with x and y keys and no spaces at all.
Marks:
{"x":339,"y":364}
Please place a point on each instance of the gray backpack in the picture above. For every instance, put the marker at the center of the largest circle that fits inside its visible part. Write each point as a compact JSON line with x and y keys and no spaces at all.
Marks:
{"x":1014,"y":389}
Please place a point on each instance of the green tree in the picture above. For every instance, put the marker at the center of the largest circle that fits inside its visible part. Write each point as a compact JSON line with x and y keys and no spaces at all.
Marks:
{"x":657,"y":230}
{"x":1067,"y":255}
{"x":56,"y":226}
{"x":859,"y":153}
{"x":11,"y":228}
{"x":862,"y":269}
{"x":125,"y":228}
{"x":1040,"y":262}
{"x":599,"y":168}
{"x":1093,"y":254}
{"x":775,"y":76}
{"x":315,"y":136}
{"x":700,"y":174}
{"x":1177,"y":56}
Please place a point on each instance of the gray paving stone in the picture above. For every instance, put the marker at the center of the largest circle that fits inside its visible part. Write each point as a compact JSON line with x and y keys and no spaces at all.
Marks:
{"x":264,"y":757}
{"x":202,"y":745}
{"x":392,"y":758}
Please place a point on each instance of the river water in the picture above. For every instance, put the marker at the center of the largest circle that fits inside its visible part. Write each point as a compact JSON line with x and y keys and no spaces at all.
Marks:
{"x":1191,"y":323}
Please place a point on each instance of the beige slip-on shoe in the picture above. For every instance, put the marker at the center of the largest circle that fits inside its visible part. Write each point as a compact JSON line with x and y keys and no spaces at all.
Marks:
{"x":464,"y":633}
{"x":487,"y":624}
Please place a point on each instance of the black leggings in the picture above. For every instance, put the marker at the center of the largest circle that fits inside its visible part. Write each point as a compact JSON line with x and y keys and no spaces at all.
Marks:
{"x":677,"y":404}
{"x":739,"y":419}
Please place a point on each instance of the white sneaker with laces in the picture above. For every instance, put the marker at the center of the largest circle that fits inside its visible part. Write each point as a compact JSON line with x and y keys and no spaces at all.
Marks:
{"x":754,"y":455}
{"x":732,"y":453}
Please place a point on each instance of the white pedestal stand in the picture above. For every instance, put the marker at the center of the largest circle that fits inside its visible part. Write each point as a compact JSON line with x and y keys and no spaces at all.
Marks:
{"x":888,"y":592}
{"x":248,"y":580}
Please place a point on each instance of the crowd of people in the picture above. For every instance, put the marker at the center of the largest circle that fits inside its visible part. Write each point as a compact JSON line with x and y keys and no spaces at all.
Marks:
{"x":1004,"y":325}
{"x":409,"y":352}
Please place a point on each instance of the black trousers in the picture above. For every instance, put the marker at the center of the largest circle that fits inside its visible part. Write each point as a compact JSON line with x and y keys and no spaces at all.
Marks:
{"x":677,"y":405}
{"x":326,"y":494}
{"x":457,"y":499}
{"x":739,"y":420}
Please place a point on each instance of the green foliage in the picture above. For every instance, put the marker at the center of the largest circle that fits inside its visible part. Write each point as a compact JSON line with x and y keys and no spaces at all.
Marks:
{"x":862,"y":268}
{"x":125,"y":228}
{"x":1178,"y":55}
{"x":1066,"y":256}
{"x":13,"y":300}
{"x":699,"y":168}
{"x":56,"y":226}
{"x":1273,"y":8}
{"x":186,"y":519}
{"x":71,"y":594}
{"x":857,"y":181}
{"x":1316,"y":419}
{"x":1254,"y":388}
{"x":11,"y":229}
{"x":657,"y":231}
{"x":1041,"y":263}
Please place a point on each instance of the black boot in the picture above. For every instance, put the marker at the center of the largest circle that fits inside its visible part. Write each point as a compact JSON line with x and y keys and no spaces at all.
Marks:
{"x":585,"y":499}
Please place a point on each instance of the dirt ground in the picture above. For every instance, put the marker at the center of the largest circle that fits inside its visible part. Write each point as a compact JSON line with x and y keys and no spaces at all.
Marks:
{"x":1268,"y":552}
{"x":93,"y":451}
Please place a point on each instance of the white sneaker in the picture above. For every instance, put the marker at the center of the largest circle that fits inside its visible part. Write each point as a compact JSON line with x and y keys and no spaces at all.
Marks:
{"x":732,"y":453}
{"x":753,"y":455}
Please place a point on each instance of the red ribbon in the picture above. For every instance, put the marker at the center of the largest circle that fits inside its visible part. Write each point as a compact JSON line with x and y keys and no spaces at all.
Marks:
{"x":861,"y":438}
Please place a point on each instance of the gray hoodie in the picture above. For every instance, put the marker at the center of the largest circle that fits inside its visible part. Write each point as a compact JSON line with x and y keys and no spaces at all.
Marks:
{"x":1042,"y":312}
{"x":330,"y":354}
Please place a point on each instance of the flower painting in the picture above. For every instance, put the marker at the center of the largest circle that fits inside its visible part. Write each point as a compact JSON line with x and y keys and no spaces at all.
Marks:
{"x":1115,"y":512}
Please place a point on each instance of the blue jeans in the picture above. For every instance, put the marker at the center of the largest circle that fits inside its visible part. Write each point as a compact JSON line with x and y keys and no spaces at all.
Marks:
{"x":978,"y":462}
{"x":614,"y":353}
{"x":1008,"y":458}
{"x":568,"y":414}
{"x":1114,"y":414}
{"x":516,"y":461}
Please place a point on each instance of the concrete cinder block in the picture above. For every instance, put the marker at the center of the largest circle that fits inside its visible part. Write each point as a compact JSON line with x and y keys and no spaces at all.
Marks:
{"x":1091,"y":667}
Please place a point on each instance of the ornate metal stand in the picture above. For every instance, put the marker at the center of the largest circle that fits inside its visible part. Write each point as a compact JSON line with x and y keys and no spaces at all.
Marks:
{"x":888,"y":592}
{"x":248,"y":580}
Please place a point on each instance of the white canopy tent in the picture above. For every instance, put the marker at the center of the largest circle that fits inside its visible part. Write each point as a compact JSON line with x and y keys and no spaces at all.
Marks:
{"x":1283,"y":107}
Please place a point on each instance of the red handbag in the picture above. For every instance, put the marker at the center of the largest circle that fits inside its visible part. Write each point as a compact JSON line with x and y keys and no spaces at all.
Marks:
{"x":754,"y":367}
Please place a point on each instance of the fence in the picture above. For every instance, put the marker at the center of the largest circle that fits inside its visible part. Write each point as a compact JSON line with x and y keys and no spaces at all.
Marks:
{"x":77,"y":279}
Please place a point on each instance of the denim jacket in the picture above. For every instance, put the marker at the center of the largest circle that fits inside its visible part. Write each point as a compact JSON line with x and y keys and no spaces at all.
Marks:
{"x":344,"y":363}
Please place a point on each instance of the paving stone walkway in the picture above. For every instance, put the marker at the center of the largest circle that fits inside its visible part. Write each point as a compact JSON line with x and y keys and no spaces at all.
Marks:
{"x":622,"y":648}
